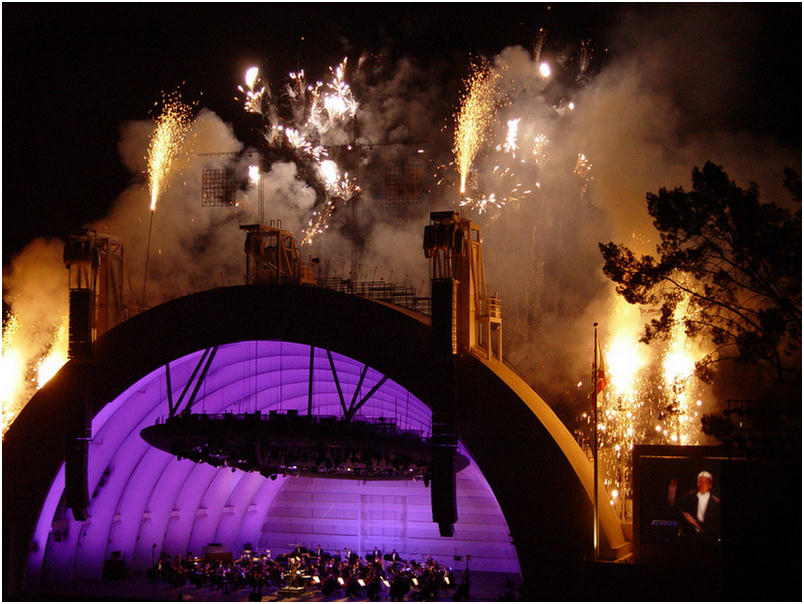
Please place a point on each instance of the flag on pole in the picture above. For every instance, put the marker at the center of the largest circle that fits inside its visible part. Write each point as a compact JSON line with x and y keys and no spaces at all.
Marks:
{"x":601,"y":374}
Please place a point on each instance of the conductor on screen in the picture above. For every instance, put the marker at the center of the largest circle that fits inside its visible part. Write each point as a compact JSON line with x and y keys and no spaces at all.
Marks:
{"x":700,"y":511}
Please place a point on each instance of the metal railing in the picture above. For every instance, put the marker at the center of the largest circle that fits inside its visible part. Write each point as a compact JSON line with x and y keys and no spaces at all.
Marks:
{"x":382,"y":291}
{"x":492,"y":307}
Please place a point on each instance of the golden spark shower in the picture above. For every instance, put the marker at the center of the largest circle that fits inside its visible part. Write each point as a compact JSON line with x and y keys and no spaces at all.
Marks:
{"x":166,"y":143}
{"x":477,"y":111}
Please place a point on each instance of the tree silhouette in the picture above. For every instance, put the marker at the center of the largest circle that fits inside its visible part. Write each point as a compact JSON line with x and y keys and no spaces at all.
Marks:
{"x":733,"y":260}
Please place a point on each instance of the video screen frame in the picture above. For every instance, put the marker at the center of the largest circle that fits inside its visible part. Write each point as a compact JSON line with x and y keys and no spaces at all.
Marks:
{"x":667,"y":481}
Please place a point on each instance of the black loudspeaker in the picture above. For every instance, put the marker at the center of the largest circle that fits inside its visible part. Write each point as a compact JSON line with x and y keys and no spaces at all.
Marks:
{"x":445,"y":529}
{"x":255,"y":596}
{"x":80,"y":331}
{"x":114,"y":569}
{"x":444,"y":318}
{"x":444,"y":440}
{"x":442,"y":481}
{"x":75,"y":483}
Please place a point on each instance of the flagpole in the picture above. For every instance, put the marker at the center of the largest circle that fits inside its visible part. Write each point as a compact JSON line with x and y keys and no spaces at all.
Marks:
{"x":596,"y":532}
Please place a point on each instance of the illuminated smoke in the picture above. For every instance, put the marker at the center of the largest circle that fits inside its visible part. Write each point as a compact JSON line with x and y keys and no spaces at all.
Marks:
{"x":678,"y":365}
{"x":651,"y":397}
{"x":34,"y":335}
{"x":623,"y":362}
{"x":11,"y":374}
{"x":56,"y":356}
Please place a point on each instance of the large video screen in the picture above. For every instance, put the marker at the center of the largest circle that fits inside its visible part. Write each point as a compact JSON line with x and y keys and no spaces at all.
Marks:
{"x":727,"y":521}
{"x":678,"y":501}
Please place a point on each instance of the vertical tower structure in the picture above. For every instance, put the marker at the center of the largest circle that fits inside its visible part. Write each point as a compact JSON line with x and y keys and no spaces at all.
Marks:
{"x":95,"y":265}
{"x":465,"y":319}
{"x":272,"y":256}
{"x":455,"y":247}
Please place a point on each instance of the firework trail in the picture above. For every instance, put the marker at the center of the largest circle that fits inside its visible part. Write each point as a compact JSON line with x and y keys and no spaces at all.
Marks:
{"x":538,"y":44}
{"x":586,"y":58}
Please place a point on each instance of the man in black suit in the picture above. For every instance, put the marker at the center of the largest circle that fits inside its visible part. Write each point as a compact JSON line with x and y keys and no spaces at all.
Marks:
{"x":700,"y":511}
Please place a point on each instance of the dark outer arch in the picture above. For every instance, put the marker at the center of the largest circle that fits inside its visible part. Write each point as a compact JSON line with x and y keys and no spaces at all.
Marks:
{"x":547,"y":511}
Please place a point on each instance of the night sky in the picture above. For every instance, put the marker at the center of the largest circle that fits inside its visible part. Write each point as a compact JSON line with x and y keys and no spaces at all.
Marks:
{"x":73,"y":74}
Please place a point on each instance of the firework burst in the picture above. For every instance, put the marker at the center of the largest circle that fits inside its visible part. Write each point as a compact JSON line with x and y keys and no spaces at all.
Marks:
{"x":339,"y":186}
{"x":312,"y":111}
{"x":539,"y":146}
{"x":510,"y":146}
{"x":338,"y":102}
{"x":253,"y":93}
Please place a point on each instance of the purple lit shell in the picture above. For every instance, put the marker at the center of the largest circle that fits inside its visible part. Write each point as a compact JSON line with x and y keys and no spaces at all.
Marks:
{"x":144,"y":502}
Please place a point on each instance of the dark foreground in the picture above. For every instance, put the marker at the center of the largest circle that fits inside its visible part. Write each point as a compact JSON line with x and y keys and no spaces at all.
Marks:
{"x":485,"y":587}
{"x":772,"y":579}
